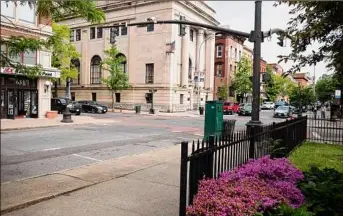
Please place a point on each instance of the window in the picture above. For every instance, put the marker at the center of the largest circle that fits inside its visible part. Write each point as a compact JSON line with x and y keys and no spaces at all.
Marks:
{"x":191,"y":35}
{"x":29,"y":58}
{"x":149,"y":76}
{"x":99,"y":32}
{"x":231,"y":51}
{"x":26,"y":13}
{"x":117,"y":97}
{"x":190,"y":73}
{"x":230,"y":67}
{"x":219,"y":70}
{"x":123,"y":29}
{"x":95,"y":70}
{"x":219,"y":49}
{"x":240,"y":55}
{"x":148,"y":97}
{"x":93,"y":96}
{"x":76,"y":64}
{"x":92,"y":33}
{"x":123,"y":64}
{"x":78,"y":34}
{"x":72,"y":35}
{"x":73,"y":96}
{"x":235,"y":69}
{"x":150,"y":28}
{"x":181,"y":98}
{"x":236,"y":54}
{"x":7,"y":9}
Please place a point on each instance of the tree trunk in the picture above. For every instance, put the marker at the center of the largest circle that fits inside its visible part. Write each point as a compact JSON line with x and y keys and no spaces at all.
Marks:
{"x":113,"y":93}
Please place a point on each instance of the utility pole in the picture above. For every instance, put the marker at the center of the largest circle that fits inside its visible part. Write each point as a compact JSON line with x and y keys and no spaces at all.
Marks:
{"x":257,"y":39}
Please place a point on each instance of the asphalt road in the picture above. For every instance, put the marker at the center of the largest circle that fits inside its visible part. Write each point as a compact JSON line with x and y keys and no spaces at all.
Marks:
{"x":28,"y":153}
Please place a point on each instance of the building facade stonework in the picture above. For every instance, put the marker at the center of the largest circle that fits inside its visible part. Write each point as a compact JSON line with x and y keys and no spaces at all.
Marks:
{"x":22,"y":96}
{"x":156,"y":56}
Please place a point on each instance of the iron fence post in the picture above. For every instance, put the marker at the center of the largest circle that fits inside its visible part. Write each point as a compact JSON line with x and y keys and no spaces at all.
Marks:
{"x":252,"y":133}
{"x":210,"y":157}
{"x":183,"y":179}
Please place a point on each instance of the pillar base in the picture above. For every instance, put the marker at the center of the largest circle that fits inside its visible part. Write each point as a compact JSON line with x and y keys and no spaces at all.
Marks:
{"x":67,"y":116}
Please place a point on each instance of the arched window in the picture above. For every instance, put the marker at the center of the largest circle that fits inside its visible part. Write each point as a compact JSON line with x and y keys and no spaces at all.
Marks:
{"x":123,"y":65}
{"x":95,"y":70}
{"x":76,"y":64}
{"x":190,"y":69}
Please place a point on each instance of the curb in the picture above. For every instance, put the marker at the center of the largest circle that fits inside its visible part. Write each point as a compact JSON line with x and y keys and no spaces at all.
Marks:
{"x":28,"y":128}
{"x":89,"y":183}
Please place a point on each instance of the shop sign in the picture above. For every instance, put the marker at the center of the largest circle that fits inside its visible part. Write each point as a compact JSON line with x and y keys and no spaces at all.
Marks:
{"x":46,"y":73}
{"x":338,"y":94}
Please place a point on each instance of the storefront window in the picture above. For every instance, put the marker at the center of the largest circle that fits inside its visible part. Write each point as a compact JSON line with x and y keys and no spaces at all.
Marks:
{"x":34,"y":106}
{"x":26,"y":13}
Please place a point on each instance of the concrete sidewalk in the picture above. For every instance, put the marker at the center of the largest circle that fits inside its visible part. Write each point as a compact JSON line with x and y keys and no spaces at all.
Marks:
{"x":29,"y":123}
{"x":143,"y":184}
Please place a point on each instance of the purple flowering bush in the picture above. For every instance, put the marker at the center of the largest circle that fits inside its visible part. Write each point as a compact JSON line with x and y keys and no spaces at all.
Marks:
{"x":259,"y":185}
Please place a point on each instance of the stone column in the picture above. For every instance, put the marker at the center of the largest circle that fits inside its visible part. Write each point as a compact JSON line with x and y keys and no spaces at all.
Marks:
{"x":85,"y":62}
{"x":185,"y":58}
{"x":209,"y":75}
{"x":200,"y":51}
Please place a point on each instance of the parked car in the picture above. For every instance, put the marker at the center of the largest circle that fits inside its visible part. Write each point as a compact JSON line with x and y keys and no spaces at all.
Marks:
{"x":268,"y":105}
{"x":227,"y":108}
{"x":75,"y":107}
{"x":280,"y":103}
{"x":60,"y":104}
{"x":283,"y":111}
{"x":231,"y":106}
{"x":93,"y":107}
{"x":245,"y":110}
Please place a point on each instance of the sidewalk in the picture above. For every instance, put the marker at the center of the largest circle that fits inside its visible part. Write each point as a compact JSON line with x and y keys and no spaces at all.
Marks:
{"x":29,"y":123}
{"x":144,"y":184}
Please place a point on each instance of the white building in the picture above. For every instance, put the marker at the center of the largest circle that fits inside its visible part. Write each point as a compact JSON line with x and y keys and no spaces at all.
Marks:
{"x":156,"y":56}
{"x":20,"y":95}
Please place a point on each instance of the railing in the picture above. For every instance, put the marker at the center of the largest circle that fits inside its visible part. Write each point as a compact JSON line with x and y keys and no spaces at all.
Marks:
{"x":216,"y":155}
{"x":325,"y":130}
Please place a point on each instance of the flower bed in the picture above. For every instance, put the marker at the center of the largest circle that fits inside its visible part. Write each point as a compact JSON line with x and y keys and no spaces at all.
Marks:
{"x":258,"y":186}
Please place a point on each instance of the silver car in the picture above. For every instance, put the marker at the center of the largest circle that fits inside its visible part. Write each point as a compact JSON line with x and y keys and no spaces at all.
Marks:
{"x":283,"y":111}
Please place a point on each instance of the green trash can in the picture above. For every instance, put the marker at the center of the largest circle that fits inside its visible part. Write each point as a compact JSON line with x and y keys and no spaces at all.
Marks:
{"x":213,"y":119}
{"x":138,"y":109}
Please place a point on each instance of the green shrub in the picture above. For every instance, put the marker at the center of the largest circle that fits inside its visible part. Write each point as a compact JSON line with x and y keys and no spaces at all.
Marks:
{"x":286,"y":210}
{"x":323,"y":190}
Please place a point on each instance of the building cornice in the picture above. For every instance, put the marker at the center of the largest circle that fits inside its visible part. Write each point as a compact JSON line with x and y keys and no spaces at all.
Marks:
{"x":33,"y":31}
{"x":200,"y":11}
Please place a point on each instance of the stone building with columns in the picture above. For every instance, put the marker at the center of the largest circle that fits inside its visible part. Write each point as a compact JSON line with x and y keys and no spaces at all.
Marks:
{"x":157,"y":57}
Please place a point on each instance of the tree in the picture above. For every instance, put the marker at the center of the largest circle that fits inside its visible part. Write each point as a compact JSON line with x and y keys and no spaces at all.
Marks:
{"x":319,"y":21}
{"x":117,"y":80}
{"x":302,"y":96}
{"x":63,"y":53}
{"x":222,"y":92}
{"x":274,"y":86}
{"x":325,"y":87}
{"x":55,"y":9}
{"x":241,"y":82}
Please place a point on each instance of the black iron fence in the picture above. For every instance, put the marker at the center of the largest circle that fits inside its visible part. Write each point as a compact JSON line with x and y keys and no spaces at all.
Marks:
{"x":325,"y":130}
{"x":209,"y":158}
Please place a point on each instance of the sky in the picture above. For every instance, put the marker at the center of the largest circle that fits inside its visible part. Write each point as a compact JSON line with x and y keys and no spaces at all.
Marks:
{"x":239,"y":15}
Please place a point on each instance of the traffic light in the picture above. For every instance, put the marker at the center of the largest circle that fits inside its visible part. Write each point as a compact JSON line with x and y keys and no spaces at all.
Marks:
{"x":265,"y":77}
{"x":182,"y":27}
{"x":280,"y":38}
{"x":113,"y":34}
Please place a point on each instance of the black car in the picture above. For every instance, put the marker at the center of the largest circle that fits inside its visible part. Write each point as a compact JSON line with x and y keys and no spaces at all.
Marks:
{"x":93,"y":107}
{"x":245,"y":110}
{"x":60,"y":104}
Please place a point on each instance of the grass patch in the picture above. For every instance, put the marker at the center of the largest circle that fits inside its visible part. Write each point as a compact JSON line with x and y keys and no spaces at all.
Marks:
{"x":320,"y":155}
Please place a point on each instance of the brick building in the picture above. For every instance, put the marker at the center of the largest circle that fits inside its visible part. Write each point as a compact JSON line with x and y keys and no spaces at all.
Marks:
{"x":228,"y":52}
{"x":22,"y":96}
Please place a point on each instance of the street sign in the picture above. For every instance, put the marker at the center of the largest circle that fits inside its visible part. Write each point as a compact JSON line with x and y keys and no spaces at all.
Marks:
{"x":338,"y":94}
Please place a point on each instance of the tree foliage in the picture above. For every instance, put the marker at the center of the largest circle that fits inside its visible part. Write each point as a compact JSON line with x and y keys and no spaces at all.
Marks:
{"x":46,"y":8}
{"x":302,"y":96}
{"x":117,"y":80}
{"x":319,"y":21}
{"x":273,"y":88}
{"x":241,"y":82}
{"x":223,"y":92}
{"x":325,"y":87}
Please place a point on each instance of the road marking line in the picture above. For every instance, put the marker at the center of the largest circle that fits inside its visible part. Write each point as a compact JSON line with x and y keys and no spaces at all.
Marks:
{"x":176,"y":131}
{"x":51,"y":149}
{"x":316,"y":135}
{"x":87,"y":157}
{"x":198,"y":134}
